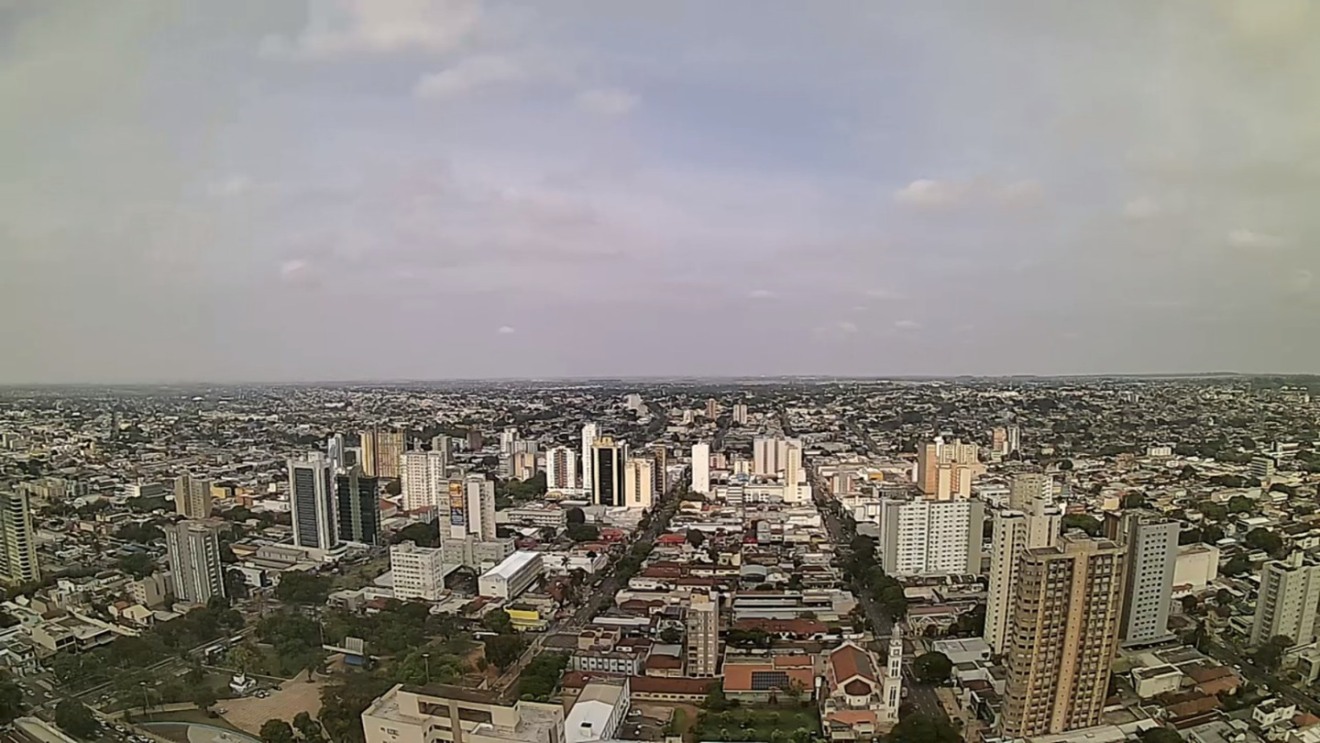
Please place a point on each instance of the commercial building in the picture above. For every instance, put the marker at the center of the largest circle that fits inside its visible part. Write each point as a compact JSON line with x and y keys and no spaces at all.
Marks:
{"x":192,"y":497}
{"x":701,"y":468}
{"x":196,"y":573}
{"x":18,"y":544}
{"x":703,"y":635}
{"x":1286,"y":605}
{"x":381,"y":452}
{"x":468,"y":510}
{"x":607,"y":459}
{"x":639,"y":483}
{"x":424,"y":481}
{"x":312,"y":504}
{"x":417,"y":572}
{"x":510,"y":578}
{"x":451,"y":714}
{"x":598,"y":711}
{"x":1152,"y":555}
{"x":540,"y":516}
{"x":1063,"y":636}
{"x":590,"y":432}
{"x":358,"y":505}
{"x":560,"y":469}
{"x":929,"y":537}
{"x":1015,"y":532}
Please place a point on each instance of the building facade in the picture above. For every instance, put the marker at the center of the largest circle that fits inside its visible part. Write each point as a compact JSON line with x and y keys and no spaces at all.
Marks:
{"x":590,"y":432}
{"x":382,"y":450}
{"x":639,"y":483}
{"x":450,"y":714}
{"x":509,"y":579}
{"x":560,"y":468}
{"x":19,"y":539}
{"x":928,"y":537}
{"x":424,"y":480}
{"x":1015,"y":532}
{"x":701,"y":468}
{"x":607,"y":481}
{"x":418,"y":572}
{"x":703,"y":635}
{"x":312,"y":503}
{"x":357,"y":500}
{"x":196,"y":572}
{"x":192,"y":497}
{"x":1286,"y":605}
{"x":1152,"y":556}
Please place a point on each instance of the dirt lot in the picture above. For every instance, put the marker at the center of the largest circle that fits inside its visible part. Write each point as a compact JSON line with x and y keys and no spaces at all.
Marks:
{"x":292,"y":697}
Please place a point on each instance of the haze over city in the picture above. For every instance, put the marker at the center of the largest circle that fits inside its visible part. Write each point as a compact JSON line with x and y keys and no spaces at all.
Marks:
{"x":388,"y":189}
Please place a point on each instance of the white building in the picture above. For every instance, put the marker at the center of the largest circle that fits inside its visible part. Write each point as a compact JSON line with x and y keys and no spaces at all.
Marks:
{"x":930,"y":537}
{"x":418,"y":572}
{"x":701,"y":468}
{"x":598,"y":712}
{"x":560,"y":469}
{"x":424,"y":479}
{"x":638,"y":483}
{"x":1152,"y":551}
{"x":1196,"y":567}
{"x":196,"y":572}
{"x":312,"y":504}
{"x":1029,"y":487}
{"x":769,"y":455}
{"x":1286,"y":605}
{"x":449,"y":714}
{"x":1014,"y":532}
{"x":590,"y":432}
{"x":468,"y":509}
{"x":510,"y":578}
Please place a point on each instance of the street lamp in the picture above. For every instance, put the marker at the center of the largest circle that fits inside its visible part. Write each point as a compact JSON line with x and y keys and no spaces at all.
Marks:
{"x":426,"y":659}
{"x":145,"y":702}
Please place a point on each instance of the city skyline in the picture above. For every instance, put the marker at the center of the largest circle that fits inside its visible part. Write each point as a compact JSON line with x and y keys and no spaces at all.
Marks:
{"x":234,"y":193}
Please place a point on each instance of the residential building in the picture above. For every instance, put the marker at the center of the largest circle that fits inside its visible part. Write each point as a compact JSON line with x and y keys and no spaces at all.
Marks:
{"x":739,"y":414}
{"x":607,"y":459}
{"x":192,"y":497}
{"x":452,"y":714}
{"x":945,"y":471}
{"x":560,"y":469}
{"x":1262,"y":467}
{"x":639,"y":483}
{"x":381,"y":452}
{"x":701,"y":468}
{"x":17,"y":539}
{"x":151,"y":591}
{"x":1027,"y":488}
{"x":424,"y":481}
{"x":1286,"y":604}
{"x":590,"y":432}
{"x":417,"y":572}
{"x":358,"y":505}
{"x":660,"y":470}
{"x":1151,"y":542}
{"x":509,"y":579}
{"x":703,"y":635}
{"x":1063,"y":636}
{"x":312,"y":503}
{"x":469,"y":509}
{"x":196,"y":572}
{"x":1014,"y":533}
{"x":930,"y":537}
{"x":769,"y":455}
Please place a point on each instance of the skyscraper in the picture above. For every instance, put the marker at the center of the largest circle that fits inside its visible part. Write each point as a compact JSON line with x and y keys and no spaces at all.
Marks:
{"x":660,"y":470}
{"x":358,"y":503}
{"x":192,"y":497}
{"x":336,"y":452}
{"x":1015,"y":532}
{"x":312,"y":503}
{"x":701,"y":468}
{"x":1151,"y":542}
{"x":468,"y":510}
{"x":703,"y":635}
{"x":739,"y":414}
{"x":925,"y":537}
{"x":1028,"y":487}
{"x":590,"y":432}
{"x":607,"y":471}
{"x":196,"y":571}
{"x":769,"y":455}
{"x":638,"y":483}
{"x":560,"y":468}
{"x":945,"y":470}
{"x":17,"y":539}
{"x":424,"y":480}
{"x":1286,"y":605}
{"x":1063,"y":636}
{"x":381,"y":452}
{"x":442,"y":444}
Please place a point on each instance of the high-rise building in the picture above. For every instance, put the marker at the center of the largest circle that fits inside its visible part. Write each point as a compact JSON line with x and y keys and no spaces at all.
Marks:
{"x":703,"y":635}
{"x":424,"y":480}
{"x":560,"y":468}
{"x":522,"y":464}
{"x":925,"y":537}
{"x":468,"y":509}
{"x":418,"y":572}
{"x":945,"y":471}
{"x":474,"y":440}
{"x":1151,"y":542}
{"x":381,"y":452}
{"x":196,"y":572}
{"x":607,"y":471}
{"x":312,"y":503}
{"x":1014,"y":438}
{"x":1286,"y":604}
{"x":192,"y":497}
{"x":336,"y":452}
{"x":770,"y":455}
{"x":1063,"y":636}
{"x":590,"y":432}
{"x":443,"y":444}
{"x":638,"y":483}
{"x":1015,"y":532}
{"x":712,"y":408}
{"x":660,"y":470}
{"x":739,"y":414}
{"x":701,"y":468}
{"x":796,"y":489}
{"x":358,"y":504}
{"x":17,"y":539}
{"x":508,"y":437}
{"x":1027,"y":488}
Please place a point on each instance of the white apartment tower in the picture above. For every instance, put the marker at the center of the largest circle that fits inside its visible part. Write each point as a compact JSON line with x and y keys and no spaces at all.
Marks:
{"x":1029,"y":487}
{"x":418,"y":572}
{"x":1286,"y":605}
{"x":192,"y":497}
{"x":770,"y":455}
{"x":196,"y":572}
{"x":703,"y":635}
{"x":1151,"y":543}
{"x":927,"y":537}
{"x":701,"y":468}
{"x":560,"y":468}
{"x":424,"y":479}
{"x":468,"y":509}
{"x":638,"y":483}
{"x":18,"y":544}
{"x":590,"y":432}
{"x":1014,"y":533}
{"x":312,"y":503}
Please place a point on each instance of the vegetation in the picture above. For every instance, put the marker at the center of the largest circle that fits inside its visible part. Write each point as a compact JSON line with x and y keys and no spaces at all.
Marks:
{"x":872,"y":580}
{"x":140,"y":533}
{"x":277,"y":731}
{"x":539,"y":679}
{"x":1264,"y":539}
{"x":75,"y":719}
{"x":11,"y":700}
{"x":1238,"y":565}
{"x":424,"y":534}
{"x":138,"y":564}
{"x":1269,"y":655}
{"x":304,"y":588}
{"x":343,"y":703}
{"x":583,"y":532}
{"x":932,"y":668}
{"x":1089,"y":524}
{"x":1159,"y":735}
{"x":782,"y":723}
{"x":695,"y":537}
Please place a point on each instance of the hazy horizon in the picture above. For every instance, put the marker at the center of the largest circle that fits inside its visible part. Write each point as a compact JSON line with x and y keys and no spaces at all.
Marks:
{"x":255,"y":192}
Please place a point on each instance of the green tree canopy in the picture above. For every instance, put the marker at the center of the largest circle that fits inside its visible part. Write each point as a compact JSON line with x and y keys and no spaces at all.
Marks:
{"x":932,"y":668}
{"x":915,"y":728}
{"x":303,"y":588}
{"x":277,"y":731}
{"x":75,"y":719}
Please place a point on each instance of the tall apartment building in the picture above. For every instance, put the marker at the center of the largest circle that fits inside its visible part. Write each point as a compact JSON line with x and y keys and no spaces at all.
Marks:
{"x":703,"y":635}
{"x":508,"y":437}
{"x":739,"y":414}
{"x":1029,"y":487}
{"x":1063,"y":636}
{"x":712,"y":408}
{"x":381,"y":452}
{"x":769,"y":455}
{"x":701,"y":468}
{"x":418,"y":572}
{"x":1286,"y":605}
{"x":312,"y":503}
{"x":196,"y":573}
{"x":468,"y":509}
{"x":660,"y":470}
{"x":18,"y":544}
{"x":443,"y":444}
{"x":560,"y":468}
{"x":1151,"y":542}
{"x":424,"y":480}
{"x":926,"y":537}
{"x":607,"y":458}
{"x":590,"y":432}
{"x":1015,"y":532}
{"x":336,"y":452}
{"x":945,"y":471}
{"x":192,"y":497}
{"x":357,"y":500}
{"x":638,"y":483}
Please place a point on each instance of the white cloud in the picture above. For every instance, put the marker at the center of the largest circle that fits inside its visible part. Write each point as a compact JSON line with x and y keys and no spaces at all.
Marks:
{"x":1020,"y":193}
{"x":928,"y":193}
{"x":907,"y":324}
{"x":470,"y":74}
{"x":1250,"y":240}
{"x":1141,"y":208}
{"x":234,"y":185}
{"x":337,"y":27}
{"x":295,"y":270}
{"x":884,"y":295}
{"x":506,"y":330}
{"x":931,"y":194}
{"x":607,"y":101}
{"x":760,"y":294}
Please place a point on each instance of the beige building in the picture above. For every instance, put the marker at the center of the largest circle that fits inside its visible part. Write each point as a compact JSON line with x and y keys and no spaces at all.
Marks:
{"x":703,"y":635}
{"x":192,"y":497}
{"x":945,"y":471}
{"x":1062,"y":636}
{"x":1286,"y":605}
{"x":382,"y":452}
{"x":450,"y":714}
{"x":18,"y":545}
{"x":1029,"y":487}
{"x":639,"y":483}
{"x":1015,"y":532}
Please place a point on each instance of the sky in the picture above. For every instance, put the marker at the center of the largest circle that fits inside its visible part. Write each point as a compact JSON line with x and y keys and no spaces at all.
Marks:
{"x":263,"y":190}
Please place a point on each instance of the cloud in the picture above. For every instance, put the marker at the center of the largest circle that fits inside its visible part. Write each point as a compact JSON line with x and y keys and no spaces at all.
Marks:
{"x":1300,"y":281}
{"x":505,"y":330}
{"x":948,"y":194}
{"x":1020,"y":193}
{"x":883,"y":295}
{"x":234,"y":185}
{"x":1251,"y":240}
{"x":340,"y":27}
{"x":760,"y":294}
{"x":1141,"y":208}
{"x":470,"y":74}
{"x":297,"y":272}
{"x":907,"y":324}
{"x":931,"y":194}
{"x":607,"y":101}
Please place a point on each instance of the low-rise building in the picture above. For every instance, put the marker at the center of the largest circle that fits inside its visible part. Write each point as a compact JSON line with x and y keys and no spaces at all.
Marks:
{"x":451,"y":714}
{"x":600,"y":709}
{"x":510,"y":578}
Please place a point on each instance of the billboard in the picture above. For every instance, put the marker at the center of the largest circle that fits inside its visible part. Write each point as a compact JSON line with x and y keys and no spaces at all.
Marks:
{"x":457,"y":504}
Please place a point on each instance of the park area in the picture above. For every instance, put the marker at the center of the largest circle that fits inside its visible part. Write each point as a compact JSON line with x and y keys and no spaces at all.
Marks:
{"x":791,"y":722}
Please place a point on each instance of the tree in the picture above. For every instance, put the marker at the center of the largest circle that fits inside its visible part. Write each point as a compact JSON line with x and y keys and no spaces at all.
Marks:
{"x":276,"y":730}
{"x":1066,"y":465}
{"x":1190,"y":536}
{"x":583,"y":532}
{"x":140,"y":533}
{"x":716,"y":701}
{"x":1159,"y":735}
{"x":1213,"y":511}
{"x":422,"y":534}
{"x":138,"y":564}
{"x":932,"y":668}
{"x":575,"y":515}
{"x":1211,"y":533}
{"x":1269,"y":655}
{"x":303,"y":588}
{"x":695,"y":537}
{"x":394,"y":487}
{"x":914,"y":728}
{"x":503,"y":650}
{"x":1224,"y":597}
{"x":309,"y":730}
{"x":1134,"y":500}
{"x":1238,"y":565}
{"x":11,"y":700}
{"x":498,"y":621}
{"x":1241,"y":504}
{"x":342,"y":705}
{"x":204,"y":696}
{"x":1089,"y":524}
{"x":75,"y":719}
{"x":1190,"y":604}
{"x":671,"y":636}
{"x":1264,"y":539}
